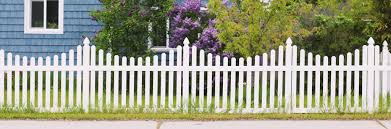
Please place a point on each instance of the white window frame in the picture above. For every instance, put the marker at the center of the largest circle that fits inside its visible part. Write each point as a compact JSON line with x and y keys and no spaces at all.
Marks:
{"x":27,"y":19}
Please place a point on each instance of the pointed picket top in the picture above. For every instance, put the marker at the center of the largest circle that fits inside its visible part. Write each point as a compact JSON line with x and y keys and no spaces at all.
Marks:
{"x":371,"y":41}
{"x":385,"y":44}
{"x":86,"y":41}
{"x":289,"y":41}
{"x":186,"y":42}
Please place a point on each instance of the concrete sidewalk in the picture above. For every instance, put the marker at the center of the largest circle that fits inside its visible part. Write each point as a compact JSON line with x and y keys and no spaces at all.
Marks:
{"x":266,"y":124}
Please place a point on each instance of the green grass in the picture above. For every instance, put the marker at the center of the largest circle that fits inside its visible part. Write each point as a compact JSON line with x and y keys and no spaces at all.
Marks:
{"x":193,"y":116}
{"x":195,"y":105}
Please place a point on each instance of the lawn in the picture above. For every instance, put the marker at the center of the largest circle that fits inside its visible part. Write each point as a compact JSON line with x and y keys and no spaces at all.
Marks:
{"x":162,"y":115}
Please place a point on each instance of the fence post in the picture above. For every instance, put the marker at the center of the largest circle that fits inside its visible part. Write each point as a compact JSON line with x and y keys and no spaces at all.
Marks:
{"x":288,"y":74}
{"x":370,"y":86}
{"x":86,"y":73}
{"x":186,"y":75}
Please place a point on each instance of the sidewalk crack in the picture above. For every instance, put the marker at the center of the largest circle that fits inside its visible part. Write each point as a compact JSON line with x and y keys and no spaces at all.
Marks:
{"x":159,"y":124}
{"x":381,"y":124}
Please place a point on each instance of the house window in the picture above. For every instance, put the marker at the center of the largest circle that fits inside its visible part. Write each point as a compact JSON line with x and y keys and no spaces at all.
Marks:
{"x":43,"y":16}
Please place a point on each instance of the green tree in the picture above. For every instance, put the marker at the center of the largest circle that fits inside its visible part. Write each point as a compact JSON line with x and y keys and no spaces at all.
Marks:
{"x":382,"y":12}
{"x":125,"y":25}
{"x":337,"y":27}
{"x":251,"y":27}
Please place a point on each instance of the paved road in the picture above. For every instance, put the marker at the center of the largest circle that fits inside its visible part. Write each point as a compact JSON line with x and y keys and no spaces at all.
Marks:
{"x":267,"y":124}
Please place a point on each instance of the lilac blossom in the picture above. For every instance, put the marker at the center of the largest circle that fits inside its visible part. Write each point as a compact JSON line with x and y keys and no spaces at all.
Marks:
{"x":183,"y":26}
{"x":209,"y":42}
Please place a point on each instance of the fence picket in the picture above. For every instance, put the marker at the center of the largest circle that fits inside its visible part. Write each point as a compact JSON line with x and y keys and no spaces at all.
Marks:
{"x":248,"y":84}
{"x":325,"y":84}
{"x":147,"y":89}
{"x":301,"y":81}
{"x":309,"y":81}
{"x":377,"y":78}
{"x":100,"y":80}
{"x":32,"y":82}
{"x":225,"y":84}
{"x":356,"y":79}
{"x":185,"y":76}
{"x":71,"y":79}
{"x":78,"y":76}
{"x":349,"y":83}
{"x":364,"y":90}
{"x":193,"y":76}
{"x":108,"y":81}
{"x":9,"y":80}
{"x":47,"y":84}
{"x":385,"y":83}
{"x":288,"y":76}
{"x":371,"y":75}
{"x":317,"y":83}
{"x":163,"y":83}
{"x":24,"y":83}
{"x":280,"y":76}
{"x":179,"y":78}
{"x":209,"y":83}
{"x":139,"y":83}
{"x":240,"y":85}
{"x":340,"y":83}
{"x":233,"y":86}
{"x":55,"y":83}
{"x":201,"y":83}
{"x":17,"y":82}
{"x":256,"y":83}
{"x":92,"y":77}
{"x":116,"y":81}
{"x":63,"y":81}
{"x":217,"y":83}
{"x":272,"y":78}
{"x":40,"y":83}
{"x":264,"y":81}
{"x":155,"y":83}
{"x":131,"y":83}
{"x":171,"y":80}
{"x":123,"y":82}
{"x":294,"y":78}
{"x":333,"y":84}
{"x":86,"y":74}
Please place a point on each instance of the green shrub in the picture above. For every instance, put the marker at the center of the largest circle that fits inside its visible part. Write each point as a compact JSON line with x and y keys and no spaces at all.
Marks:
{"x":125,"y":25}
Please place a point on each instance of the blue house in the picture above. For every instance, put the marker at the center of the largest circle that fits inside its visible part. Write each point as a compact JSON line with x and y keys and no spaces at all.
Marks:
{"x":46,"y":27}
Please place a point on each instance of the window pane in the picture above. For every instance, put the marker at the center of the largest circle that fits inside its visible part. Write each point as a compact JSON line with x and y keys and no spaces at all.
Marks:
{"x":52,"y":14}
{"x":37,"y":14}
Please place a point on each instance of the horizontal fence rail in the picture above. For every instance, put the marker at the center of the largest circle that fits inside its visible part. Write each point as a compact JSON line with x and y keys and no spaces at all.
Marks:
{"x":286,"y":80}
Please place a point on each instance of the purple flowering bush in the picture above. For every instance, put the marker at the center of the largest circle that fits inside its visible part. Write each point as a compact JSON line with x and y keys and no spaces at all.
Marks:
{"x":188,"y":20}
{"x":184,"y":22}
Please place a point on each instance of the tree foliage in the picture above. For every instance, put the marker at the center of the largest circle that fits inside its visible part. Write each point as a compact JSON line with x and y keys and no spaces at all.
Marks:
{"x":382,"y":12}
{"x":125,"y":25}
{"x":337,"y":27}
{"x":250,"y":27}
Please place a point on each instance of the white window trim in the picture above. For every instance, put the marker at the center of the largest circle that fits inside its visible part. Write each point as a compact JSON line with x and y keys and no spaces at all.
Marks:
{"x":27,"y":19}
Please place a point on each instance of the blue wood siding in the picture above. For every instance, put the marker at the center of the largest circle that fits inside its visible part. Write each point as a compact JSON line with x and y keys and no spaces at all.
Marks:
{"x":77,"y":22}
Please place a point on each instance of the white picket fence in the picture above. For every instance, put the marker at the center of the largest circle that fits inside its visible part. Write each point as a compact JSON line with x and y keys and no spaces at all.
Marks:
{"x":287,"y":80}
